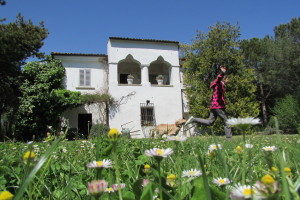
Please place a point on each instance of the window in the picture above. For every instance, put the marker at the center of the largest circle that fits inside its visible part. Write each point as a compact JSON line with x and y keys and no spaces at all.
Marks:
{"x":84,"y":77}
{"x":147,"y":114}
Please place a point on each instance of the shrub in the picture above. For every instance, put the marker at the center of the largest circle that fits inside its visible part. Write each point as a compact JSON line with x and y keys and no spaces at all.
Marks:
{"x":287,"y":112}
{"x":98,"y":129}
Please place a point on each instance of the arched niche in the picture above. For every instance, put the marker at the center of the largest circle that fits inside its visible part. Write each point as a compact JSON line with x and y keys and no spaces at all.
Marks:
{"x":129,"y":66}
{"x":160,"y":67}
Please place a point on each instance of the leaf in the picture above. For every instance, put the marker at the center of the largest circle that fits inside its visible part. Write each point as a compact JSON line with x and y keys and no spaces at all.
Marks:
{"x":148,"y":192}
{"x":127,"y":195}
{"x":217,"y":194}
{"x":198,"y":190}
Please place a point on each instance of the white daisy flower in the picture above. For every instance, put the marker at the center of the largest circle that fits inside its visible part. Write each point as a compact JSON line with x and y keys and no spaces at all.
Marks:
{"x":213,"y":147}
{"x":249,"y":146}
{"x":176,"y":138}
{"x":221,"y":181}
{"x":247,"y":120}
{"x":109,"y":190}
{"x":245,"y":192}
{"x":269,"y":148}
{"x":191,"y":173}
{"x":156,"y":152}
{"x":243,"y":123}
{"x":100,"y":164}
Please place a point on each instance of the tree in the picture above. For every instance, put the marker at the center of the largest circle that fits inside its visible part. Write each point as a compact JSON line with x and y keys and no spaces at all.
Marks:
{"x":218,"y":47}
{"x":43,"y":98}
{"x":18,"y":41}
{"x":258,"y":56}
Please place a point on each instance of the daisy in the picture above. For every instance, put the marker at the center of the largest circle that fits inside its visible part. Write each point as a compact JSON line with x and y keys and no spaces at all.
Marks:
{"x":243,"y":123}
{"x":221,"y":181}
{"x":156,"y":152}
{"x":249,"y":146}
{"x":97,"y":187}
{"x":269,"y":148}
{"x":191,"y":173}
{"x":176,"y":138}
{"x":115,"y":186}
{"x":244,"y":192}
{"x":109,"y":190}
{"x":214,"y":147}
{"x":100,"y":164}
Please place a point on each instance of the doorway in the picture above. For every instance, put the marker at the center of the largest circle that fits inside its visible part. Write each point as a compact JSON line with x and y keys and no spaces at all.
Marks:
{"x":84,"y":124}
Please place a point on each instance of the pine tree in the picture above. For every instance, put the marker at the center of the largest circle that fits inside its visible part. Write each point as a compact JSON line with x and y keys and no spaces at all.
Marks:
{"x":220,"y":46}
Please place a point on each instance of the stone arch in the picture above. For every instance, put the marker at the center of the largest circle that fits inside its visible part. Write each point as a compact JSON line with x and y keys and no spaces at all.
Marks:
{"x":160,"y":67}
{"x":129,"y":66}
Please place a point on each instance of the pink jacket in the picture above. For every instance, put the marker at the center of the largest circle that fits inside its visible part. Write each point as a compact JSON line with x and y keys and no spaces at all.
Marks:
{"x":218,"y":98}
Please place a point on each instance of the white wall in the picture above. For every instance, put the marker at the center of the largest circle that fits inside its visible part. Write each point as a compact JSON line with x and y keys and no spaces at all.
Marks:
{"x":167,"y":99}
{"x":73,"y":64}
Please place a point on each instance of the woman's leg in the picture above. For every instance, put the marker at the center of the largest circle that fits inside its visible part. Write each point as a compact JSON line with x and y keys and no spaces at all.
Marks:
{"x":209,"y":121}
{"x":223,"y":115}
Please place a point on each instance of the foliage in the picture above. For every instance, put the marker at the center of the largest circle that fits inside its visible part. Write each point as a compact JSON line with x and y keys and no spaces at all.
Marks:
{"x":287,"y":110}
{"x":96,"y":98}
{"x":98,"y":129}
{"x":218,"y":47}
{"x":18,"y":41}
{"x":43,"y":98}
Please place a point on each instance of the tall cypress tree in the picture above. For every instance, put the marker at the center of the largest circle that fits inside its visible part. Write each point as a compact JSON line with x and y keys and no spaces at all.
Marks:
{"x":220,"y":46}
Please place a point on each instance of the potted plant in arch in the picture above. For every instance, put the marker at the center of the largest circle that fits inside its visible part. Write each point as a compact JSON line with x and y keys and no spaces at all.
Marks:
{"x":130,"y":79}
{"x":160,"y":79}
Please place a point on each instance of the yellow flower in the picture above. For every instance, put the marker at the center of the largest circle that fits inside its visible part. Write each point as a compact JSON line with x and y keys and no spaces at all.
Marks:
{"x":267,"y":179}
{"x":274,"y":169}
{"x":113,"y":134}
{"x":287,"y":170}
{"x":238,"y":149}
{"x":147,"y":169}
{"x":6,"y":195}
{"x":29,"y":155}
{"x":171,"y":176}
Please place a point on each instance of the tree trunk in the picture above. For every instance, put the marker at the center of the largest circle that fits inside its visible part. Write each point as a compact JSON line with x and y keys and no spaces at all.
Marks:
{"x":263,"y":104}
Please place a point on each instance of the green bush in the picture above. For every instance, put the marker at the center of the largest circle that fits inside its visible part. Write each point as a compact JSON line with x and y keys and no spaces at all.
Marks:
{"x":98,"y":129}
{"x":287,"y":111}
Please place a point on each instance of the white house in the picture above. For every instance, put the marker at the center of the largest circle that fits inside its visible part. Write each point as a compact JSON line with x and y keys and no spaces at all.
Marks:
{"x":140,"y":105}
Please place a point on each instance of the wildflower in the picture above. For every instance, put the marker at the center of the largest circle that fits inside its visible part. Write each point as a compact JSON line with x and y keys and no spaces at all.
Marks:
{"x":244,"y":192}
{"x":269,"y":148}
{"x":243,"y":121}
{"x":6,"y":195}
{"x":145,"y":182}
{"x":109,"y":190}
{"x":267,"y":179}
{"x":156,"y":152}
{"x":191,"y":173}
{"x":29,"y":155}
{"x":221,"y":181}
{"x":171,"y":180}
{"x":115,"y":186}
{"x":238,"y":149}
{"x":274,"y":169}
{"x":97,"y":187}
{"x":147,"y":169}
{"x":214,"y":147}
{"x":100,"y":164}
{"x":249,"y":146}
{"x":113,"y":134}
{"x":177,"y":138}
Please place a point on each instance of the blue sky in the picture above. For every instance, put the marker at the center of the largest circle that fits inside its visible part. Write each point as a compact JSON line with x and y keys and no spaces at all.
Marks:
{"x":85,"y":26}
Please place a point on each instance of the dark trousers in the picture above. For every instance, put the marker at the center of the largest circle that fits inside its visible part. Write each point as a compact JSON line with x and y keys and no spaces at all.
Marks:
{"x":214,"y":113}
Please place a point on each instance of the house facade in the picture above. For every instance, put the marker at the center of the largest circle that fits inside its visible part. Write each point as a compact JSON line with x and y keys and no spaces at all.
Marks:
{"x":139,"y":105}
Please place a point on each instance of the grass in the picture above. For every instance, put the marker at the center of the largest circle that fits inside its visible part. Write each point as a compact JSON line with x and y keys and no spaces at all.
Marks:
{"x":59,"y":169}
